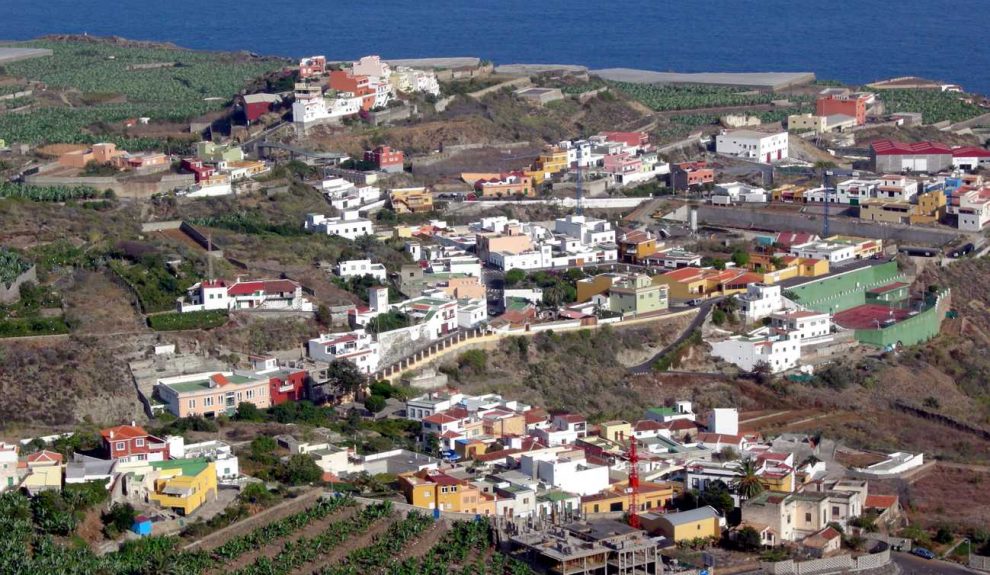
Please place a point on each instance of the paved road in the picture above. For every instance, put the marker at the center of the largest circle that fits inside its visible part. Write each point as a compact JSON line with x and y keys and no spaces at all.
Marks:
{"x":913,"y":565}
{"x":703,"y":311}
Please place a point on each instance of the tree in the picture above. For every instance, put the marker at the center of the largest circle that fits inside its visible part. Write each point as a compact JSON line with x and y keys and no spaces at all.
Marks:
{"x":345,"y":375}
{"x":728,"y":453}
{"x":248,"y":412}
{"x":256,"y":493}
{"x":687,"y":501}
{"x":777,"y":262}
{"x":718,"y":316}
{"x":374,"y":403}
{"x":514,"y":276}
{"x":323,"y":315}
{"x":943,"y":535}
{"x":747,"y":481}
{"x":719,"y":498}
{"x":299,"y":469}
{"x":118,"y":519}
{"x":748,"y":539}
{"x":740,"y":257}
{"x":263,"y":449}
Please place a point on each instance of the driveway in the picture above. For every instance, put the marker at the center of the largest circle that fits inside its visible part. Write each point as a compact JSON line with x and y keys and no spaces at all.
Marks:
{"x":914,"y":565}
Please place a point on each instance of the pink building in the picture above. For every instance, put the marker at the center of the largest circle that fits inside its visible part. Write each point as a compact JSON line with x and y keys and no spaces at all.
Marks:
{"x":622,"y":164}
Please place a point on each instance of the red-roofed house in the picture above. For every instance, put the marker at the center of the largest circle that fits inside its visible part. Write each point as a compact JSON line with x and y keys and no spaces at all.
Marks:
{"x":245,"y":295}
{"x":505,"y":185}
{"x":970,"y":157}
{"x":892,"y":156}
{"x":888,"y":507}
{"x":132,"y":443}
{"x":822,"y":543}
{"x":717,"y":441}
{"x":638,"y":140}
{"x":44,"y":458}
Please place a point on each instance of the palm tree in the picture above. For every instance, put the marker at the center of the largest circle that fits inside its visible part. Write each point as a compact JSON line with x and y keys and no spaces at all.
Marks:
{"x":747,"y":482}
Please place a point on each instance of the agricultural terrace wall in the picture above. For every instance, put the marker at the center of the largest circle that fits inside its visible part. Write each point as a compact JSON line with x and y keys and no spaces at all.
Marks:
{"x":122,"y":188}
{"x":913,"y":330}
{"x":160,"y":226}
{"x":452,"y":151}
{"x":514,"y":83}
{"x":763,"y":219}
{"x":12,"y":293}
{"x":842,"y":291}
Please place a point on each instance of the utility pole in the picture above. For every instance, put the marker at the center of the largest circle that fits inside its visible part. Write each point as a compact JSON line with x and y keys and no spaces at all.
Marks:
{"x":825,"y":175}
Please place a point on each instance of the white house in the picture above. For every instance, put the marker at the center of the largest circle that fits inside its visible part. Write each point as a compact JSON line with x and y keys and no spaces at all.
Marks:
{"x":896,"y":187}
{"x":8,"y":466}
{"x":361,"y":268}
{"x":802,"y":324}
{"x":219,"y":452}
{"x":970,"y":158}
{"x":855,"y":191}
{"x":245,"y":295}
{"x":724,"y":421}
{"x":429,"y":404}
{"x":344,"y":195}
{"x":554,"y":437}
{"x":357,"y":346}
{"x":760,"y":146}
{"x":589,"y":231}
{"x":748,"y":351}
{"x":972,"y":208}
{"x":738,"y":193}
{"x":895,"y":464}
{"x":833,"y":253}
{"x":759,"y":301}
{"x":566,"y":469}
{"x":471,"y":313}
{"x":350,"y":225}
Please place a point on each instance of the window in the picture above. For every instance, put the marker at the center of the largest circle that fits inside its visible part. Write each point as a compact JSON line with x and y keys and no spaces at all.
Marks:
{"x":835,"y":511}
{"x":139,"y":442}
{"x":120,"y":446}
{"x":807,"y":517}
{"x":192,"y":404}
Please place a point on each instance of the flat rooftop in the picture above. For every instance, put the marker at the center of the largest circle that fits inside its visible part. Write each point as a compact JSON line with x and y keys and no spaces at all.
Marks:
{"x":452,"y":62}
{"x":867,"y":316}
{"x":203,"y":384}
{"x":9,"y":54}
{"x":770,"y":80}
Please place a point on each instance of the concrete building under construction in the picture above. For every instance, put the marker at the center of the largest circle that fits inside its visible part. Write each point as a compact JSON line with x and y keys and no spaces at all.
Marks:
{"x":597,"y":547}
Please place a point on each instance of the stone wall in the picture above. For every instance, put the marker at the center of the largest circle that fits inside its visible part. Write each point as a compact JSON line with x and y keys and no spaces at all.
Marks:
{"x":12,"y":293}
{"x":763,"y":219}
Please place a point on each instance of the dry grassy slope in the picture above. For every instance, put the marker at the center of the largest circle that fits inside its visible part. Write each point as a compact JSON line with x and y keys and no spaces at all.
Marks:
{"x":499,"y":117}
{"x":61,"y":383}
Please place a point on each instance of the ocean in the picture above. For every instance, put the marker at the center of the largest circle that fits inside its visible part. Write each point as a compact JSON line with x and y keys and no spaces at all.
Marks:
{"x":855,"y":41}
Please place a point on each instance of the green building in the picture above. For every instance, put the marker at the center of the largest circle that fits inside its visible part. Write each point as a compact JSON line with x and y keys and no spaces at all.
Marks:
{"x":637,"y":295}
{"x":844,"y":290}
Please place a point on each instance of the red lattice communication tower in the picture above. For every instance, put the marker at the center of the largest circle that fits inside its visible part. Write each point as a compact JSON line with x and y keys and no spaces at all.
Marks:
{"x":633,"y":484}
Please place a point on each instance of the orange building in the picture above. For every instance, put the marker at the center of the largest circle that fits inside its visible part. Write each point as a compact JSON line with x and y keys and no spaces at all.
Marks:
{"x":505,"y":186}
{"x":108,"y":154}
{"x":833,"y":101}
{"x":617,"y":498}
{"x":636,"y":246}
{"x":432,"y":489}
{"x":513,"y":243}
{"x":345,"y":81}
{"x":411,"y":200}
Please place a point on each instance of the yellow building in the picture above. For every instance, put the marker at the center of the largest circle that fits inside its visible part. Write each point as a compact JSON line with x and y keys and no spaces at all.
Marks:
{"x":431,"y":489}
{"x":410,"y":200}
{"x":599,"y":284}
{"x":789,"y":267}
{"x":553,"y":160}
{"x":930,"y":208}
{"x":684,"y":526}
{"x":778,"y":480}
{"x":636,"y":246}
{"x":183,"y":484}
{"x":617,"y":498}
{"x":700,"y":283}
{"x":615,"y":430}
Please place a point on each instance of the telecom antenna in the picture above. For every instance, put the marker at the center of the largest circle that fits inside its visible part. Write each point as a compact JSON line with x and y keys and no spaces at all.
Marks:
{"x":633,"y":484}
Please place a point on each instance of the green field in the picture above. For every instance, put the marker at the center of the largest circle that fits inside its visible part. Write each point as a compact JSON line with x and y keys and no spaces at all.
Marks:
{"x":662,"y":98}
{"x":934,"y":106}
{"x":161,"y":83}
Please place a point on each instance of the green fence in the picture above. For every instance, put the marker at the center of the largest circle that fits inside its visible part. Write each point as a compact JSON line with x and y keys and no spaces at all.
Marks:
{"x":844,"y":290}
{"x":913,"y":330}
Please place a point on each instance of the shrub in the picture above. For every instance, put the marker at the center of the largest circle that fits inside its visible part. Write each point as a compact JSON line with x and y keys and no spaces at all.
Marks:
{"x":118,"y":519}
{"x":514,"y":277}
{"x":248,"y":412}
{"x":374,"y":403}
{"x":474,"y":359}
{"x":299,"y":469}
{"x":256,"y":493}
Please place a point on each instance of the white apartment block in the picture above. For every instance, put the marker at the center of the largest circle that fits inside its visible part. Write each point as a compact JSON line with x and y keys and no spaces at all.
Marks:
{"x":350,"y":225}
{"x":738,"y":193}
{"x":759,"y":301}
{"x":834,"y":253}
{"x":589,"y":231}
{"x":855,"y":192}
{"x":747,"y":351}
{"x":471,"y":313}
{"x":802,"y":324}
{"x":897,"y":188}
{"x":361,"y":268}
{"x":972,"y":209}
{"x":357,"y":346}
{"x":429,"y":404}
{"x":750,"y":144}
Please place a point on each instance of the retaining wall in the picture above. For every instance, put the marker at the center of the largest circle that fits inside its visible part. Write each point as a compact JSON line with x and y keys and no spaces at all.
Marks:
{"x":514,"y":83}
{"x":763,"y":219}
{"x":979,"y":562}
{"x":916,"y":329}
{"x":12,"y":293}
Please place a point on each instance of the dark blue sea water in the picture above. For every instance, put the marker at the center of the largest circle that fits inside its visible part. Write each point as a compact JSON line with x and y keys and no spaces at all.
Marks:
{"x":851,"y":40}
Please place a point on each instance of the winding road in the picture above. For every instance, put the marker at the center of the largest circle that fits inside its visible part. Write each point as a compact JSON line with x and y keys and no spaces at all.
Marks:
{"x":703,"y":310}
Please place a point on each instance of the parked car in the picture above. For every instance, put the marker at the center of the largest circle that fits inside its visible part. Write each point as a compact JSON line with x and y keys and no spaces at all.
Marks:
{"x":922,"y":552}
